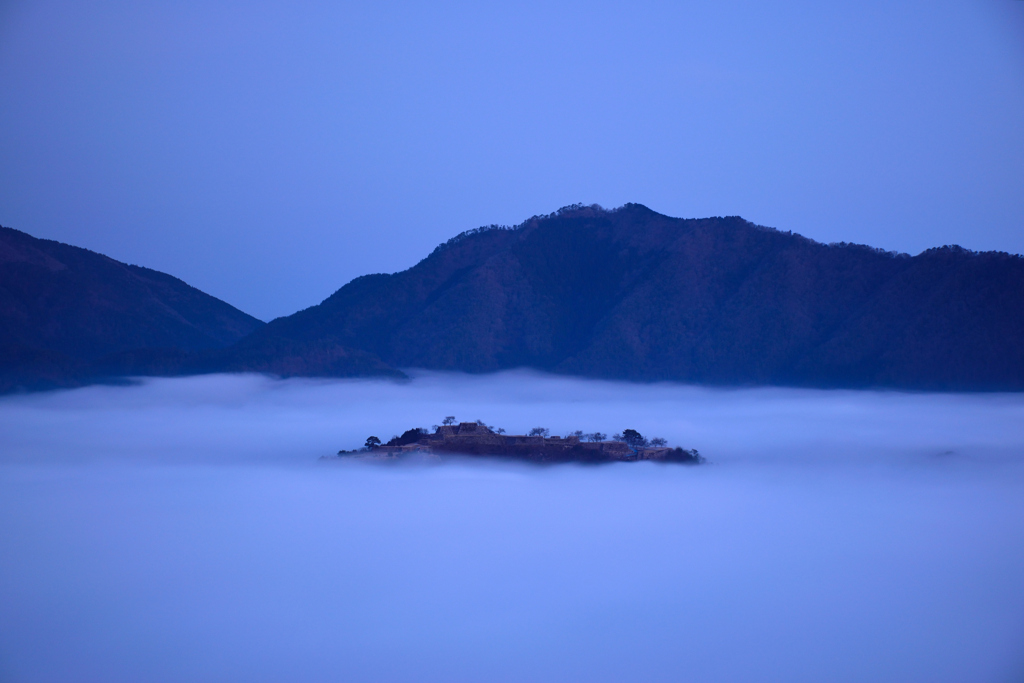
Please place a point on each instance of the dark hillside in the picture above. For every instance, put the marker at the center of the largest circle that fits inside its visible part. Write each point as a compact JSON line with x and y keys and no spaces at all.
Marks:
{"x":633,"y":294}
{"x":63,"y":308}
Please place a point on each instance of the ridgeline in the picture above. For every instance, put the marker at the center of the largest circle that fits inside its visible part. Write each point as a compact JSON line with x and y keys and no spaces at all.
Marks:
{"x":632,"y":294}
{"x":618,"y":294}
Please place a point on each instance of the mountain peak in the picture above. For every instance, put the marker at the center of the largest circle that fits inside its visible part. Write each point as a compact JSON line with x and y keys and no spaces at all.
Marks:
{"x":629,"y":293}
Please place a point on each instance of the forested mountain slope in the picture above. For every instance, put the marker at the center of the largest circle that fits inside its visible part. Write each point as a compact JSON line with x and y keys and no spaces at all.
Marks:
{"x":632,"y":294}
{"x":63,"y":309}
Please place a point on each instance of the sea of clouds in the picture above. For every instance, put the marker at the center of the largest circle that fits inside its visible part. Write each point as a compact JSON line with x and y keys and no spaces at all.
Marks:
{"x":185,"y":529}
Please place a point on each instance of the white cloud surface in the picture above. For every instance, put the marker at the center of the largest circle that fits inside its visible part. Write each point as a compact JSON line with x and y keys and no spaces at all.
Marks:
{"x":185,"y":530}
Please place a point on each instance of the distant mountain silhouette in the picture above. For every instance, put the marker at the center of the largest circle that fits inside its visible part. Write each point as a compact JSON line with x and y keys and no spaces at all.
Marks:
{"x":621,"y":294}
{"x":69,"y":315}
{"x":632,"y":294}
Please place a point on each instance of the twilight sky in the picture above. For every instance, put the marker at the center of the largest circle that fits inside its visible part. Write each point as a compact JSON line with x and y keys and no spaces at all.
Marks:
{"x":268,"y":153}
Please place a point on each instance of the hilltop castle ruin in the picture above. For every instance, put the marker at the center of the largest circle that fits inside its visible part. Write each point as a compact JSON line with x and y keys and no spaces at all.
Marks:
{"x":474,"y":439}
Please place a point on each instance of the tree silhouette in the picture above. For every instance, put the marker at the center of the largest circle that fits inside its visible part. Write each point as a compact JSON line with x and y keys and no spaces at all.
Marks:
{"x":372,"y":442}
{"x":408,"y":436}
{"x":690,"y":457}
{"x":633,"y":438}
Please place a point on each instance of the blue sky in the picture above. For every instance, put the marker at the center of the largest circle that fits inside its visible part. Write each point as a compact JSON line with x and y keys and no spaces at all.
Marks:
{"x":268,"y":153}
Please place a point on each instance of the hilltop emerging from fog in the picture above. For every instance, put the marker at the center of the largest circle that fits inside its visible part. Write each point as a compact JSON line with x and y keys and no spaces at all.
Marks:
{"x":620,"y":294}
{"x":479,"y":440}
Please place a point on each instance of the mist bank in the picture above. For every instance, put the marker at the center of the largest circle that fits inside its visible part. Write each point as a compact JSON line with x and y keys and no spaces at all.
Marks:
{"x":255,"y":418}
{"x":184,"y":529}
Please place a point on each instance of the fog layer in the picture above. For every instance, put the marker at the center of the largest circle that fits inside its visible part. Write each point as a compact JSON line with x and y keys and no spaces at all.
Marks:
{"x":186,"y":530}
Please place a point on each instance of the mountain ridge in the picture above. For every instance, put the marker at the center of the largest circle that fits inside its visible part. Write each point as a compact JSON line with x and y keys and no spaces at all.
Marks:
{"x":632,"y":294}
{"x":66,"y":310}
{"x":626,"y":294}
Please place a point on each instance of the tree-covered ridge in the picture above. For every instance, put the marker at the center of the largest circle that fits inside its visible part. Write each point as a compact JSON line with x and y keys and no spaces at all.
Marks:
{"x":69,"y":315}
{"x":632,"y":294}
{"x":618,"y":294}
